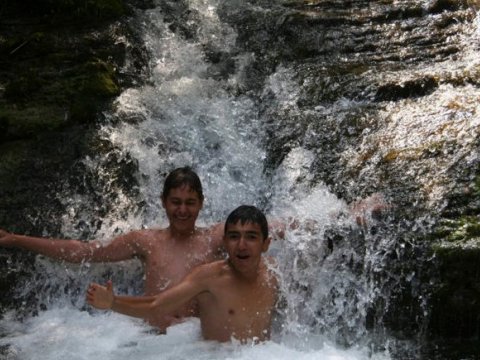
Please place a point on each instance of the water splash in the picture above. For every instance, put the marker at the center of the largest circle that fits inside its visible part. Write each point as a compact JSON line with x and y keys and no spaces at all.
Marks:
{"x":111,"y":336}
{"x":199,"y":112}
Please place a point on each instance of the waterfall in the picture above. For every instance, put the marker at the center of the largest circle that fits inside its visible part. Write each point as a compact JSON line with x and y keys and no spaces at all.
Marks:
{"x":261,"y":130}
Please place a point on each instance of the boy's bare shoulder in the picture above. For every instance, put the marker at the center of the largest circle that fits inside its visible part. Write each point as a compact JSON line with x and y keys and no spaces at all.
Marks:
{"x":216,"y":230}
{"x":214,"y":266}
{"x":271,"y":270}
{"x":270,"y":262}
{"x":213,"y":234}
{"x":145,"y":239}
{"x":210,"y":270}
{"x":149,"y":234}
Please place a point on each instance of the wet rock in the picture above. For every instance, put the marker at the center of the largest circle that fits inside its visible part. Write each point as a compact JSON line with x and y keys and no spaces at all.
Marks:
{"x":455,"y":299}
{"x":63,"y":62}
{"x":408,"y":89}
{"x":358,"y":75}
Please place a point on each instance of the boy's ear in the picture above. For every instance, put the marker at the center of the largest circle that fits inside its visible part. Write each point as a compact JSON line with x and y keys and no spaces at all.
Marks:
{"x":266,"y":244}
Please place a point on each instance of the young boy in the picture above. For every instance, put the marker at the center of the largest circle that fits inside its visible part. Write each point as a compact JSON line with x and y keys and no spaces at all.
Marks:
{"x":235,"y":297}
{"x":168,"y":254}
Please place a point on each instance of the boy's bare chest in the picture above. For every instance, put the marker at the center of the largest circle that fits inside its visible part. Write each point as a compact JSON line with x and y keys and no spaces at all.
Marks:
{"x":166,"y":265}
{"x":241,"y":312}
{"x":241,"y":304}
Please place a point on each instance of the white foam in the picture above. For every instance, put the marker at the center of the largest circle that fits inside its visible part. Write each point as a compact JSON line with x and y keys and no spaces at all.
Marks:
{"x":68,"y":333}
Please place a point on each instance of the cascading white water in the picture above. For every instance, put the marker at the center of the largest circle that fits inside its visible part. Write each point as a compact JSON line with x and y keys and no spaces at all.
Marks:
{"x":188,"y":117}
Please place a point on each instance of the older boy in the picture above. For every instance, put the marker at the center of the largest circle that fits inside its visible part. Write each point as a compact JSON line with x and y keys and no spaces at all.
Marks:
{"x":235,"y":296}
{"x":168,"y":254}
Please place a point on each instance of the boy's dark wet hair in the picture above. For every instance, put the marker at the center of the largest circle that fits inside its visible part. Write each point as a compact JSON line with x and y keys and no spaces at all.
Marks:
{"x":181,"y":177}
{"x":248,"y":213}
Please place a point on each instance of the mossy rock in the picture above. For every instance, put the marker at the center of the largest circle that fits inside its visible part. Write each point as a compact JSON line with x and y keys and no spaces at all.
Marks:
{"x":458,"y":232}
{"x":456,"y":295}
{"x":60,"y":10}
{"x":440,"y":6}
{"x":99,"y":79}
{"x":21,"y":87}
{"x":12,"y":155}
{"x":408,"y":89}
{"x":455,"y":298}
{"x":26,"y":122}
{"x":415,"y":153}
{"x":35,"y":103}
{"x":95,"y":85}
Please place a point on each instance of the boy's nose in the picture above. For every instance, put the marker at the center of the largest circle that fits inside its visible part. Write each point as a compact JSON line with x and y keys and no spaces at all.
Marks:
{"x":182,"y":208}
{"x":242,"y":243}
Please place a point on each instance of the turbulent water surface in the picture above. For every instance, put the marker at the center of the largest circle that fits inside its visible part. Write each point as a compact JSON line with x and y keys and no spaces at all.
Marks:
{"x":224,"y":96}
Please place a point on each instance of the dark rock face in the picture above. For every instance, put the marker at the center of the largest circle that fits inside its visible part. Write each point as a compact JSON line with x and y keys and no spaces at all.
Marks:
{"x":62,"y":64}
{"x":60,"y":68}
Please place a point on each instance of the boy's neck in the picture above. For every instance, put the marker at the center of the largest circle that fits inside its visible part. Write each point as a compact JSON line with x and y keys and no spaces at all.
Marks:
{"x":250,"y":277}
{"x":181,"y":234}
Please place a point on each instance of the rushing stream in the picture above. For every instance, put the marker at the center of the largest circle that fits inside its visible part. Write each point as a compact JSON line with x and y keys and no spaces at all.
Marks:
{"x":213,"y":102}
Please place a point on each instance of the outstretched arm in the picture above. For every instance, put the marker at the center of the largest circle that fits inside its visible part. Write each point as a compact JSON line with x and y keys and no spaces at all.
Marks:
{"x":102,"y":297}
{"x":363,"y":211}
{"x":371,"y":207}
{"x":121,"y":248}
{"x":215,"y":233}
{"x":279,"y":227}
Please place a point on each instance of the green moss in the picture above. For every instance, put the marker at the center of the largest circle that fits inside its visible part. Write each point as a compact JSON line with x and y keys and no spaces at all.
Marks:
{"x":44,"y":101}
{"x":12,"y":157}
{"x":414,"y":153}
{"x":461,"y":230}
{"x":22,"y":87}
{"x":407,"y":154}
{"x":60,"y":9}
{"x":57,"y":65}
{"x":476,"y":186}
{"x":23,"y":123}
{"x":94,"y":83}
{"x":101,"y":84}
{"x":83,"y":110}
{"x":391,"y":155}
{"x":99,"y":79}
{"x":108,"y":8}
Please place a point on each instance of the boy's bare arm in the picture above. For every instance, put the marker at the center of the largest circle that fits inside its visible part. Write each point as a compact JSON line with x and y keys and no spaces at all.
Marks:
{"x":215,"y":232}
{"x":121,"y":248}
{"x":102,"y":297}
{"x":279,"y":227}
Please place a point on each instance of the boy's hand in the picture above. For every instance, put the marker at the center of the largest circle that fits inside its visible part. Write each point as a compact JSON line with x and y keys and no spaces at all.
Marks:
{"x":6,"y":239}
{"x":371,"y":207}
{"x":101,"y":297}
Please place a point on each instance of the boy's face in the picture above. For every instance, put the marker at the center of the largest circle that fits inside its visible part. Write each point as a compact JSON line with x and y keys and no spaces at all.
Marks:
{"x":182,"y":205}
{"x":245,"y":244}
